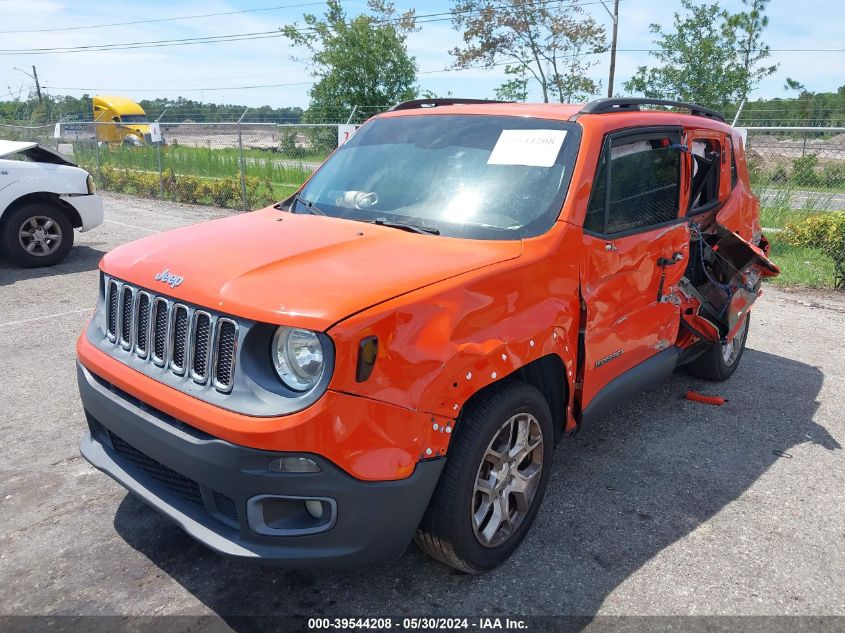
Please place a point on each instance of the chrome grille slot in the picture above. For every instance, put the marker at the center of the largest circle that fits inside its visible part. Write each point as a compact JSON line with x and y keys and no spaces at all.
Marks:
{"x":126,"y":301}
{"x":179,"y":338}
{"x":201,"y":332}
{"x":142,"y":324}
{"x":111,"y":316}
{"x":225,"y":340}
{"x":161,"y":310}
{"x":175,"y":337}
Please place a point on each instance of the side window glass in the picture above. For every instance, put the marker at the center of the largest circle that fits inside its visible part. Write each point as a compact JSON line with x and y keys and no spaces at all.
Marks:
{"x":644,"y":184}
{"x":594,"y":221}
{"x":704,"y":190}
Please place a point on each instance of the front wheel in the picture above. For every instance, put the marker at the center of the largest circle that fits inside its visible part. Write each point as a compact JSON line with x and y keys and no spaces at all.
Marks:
{"x":493,"y":482}
{"x":719,"y":362}
{"x":37,"y":234}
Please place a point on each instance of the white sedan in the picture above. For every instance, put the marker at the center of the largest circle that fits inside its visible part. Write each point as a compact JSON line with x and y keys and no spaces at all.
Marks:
{"x":43,"y":197}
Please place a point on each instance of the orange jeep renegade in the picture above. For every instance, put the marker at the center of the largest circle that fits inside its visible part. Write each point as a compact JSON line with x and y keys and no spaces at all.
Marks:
{"x":394,"y":351}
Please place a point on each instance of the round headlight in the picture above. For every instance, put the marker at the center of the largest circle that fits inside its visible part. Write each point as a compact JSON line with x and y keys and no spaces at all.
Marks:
{"x":298,"y":357}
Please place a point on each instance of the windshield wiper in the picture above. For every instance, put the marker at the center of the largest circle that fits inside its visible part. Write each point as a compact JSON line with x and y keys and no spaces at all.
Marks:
{"x":312,"y":208}
{"x":405,"y":226}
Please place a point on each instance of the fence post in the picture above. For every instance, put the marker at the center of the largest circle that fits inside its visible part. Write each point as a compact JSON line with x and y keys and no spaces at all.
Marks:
{"x":241,"y":163}
{"x":97,"y":154}
{"x":804,"y":145}
{"x":738,"y":112}
{"x":158,"y":158}
{"x":351,"y":114}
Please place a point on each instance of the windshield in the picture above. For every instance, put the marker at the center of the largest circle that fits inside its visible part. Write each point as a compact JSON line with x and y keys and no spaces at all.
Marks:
{"x":133,"y":118}
{"x":482,"y":177}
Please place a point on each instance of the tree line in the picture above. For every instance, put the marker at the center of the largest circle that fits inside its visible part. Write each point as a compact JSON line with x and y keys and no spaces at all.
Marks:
{"x":547,"y":50}
{"x":53,"y":108}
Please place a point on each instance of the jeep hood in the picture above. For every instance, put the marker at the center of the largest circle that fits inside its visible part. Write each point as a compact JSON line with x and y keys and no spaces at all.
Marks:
{"x":300,"y":270}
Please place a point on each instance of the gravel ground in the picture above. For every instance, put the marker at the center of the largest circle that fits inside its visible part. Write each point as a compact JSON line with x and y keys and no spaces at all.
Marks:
{"x":667,"y":508}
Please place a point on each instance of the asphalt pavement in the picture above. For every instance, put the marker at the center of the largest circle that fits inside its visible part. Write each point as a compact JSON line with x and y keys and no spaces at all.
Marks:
{"x":667,"y":507}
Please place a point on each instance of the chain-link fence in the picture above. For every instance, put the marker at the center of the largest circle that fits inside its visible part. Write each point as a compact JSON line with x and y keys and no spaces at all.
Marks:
{"x":242,"y":164}
{"x":43,"y":134}
{"x":798,"y":173}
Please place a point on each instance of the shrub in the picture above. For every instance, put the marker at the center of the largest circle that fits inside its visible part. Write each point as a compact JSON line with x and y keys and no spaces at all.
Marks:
{"x":833,"y":174}
{"x":287,"y":143}
{"x":779,"y":174}
{"x":224,"y":192}
{"x":804,"y":170}
{"x":825,"y":232}
{"x":321,"y":140}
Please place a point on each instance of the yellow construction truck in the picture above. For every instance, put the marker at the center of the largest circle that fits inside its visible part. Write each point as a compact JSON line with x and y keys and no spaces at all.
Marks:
{"x":120,"y":121}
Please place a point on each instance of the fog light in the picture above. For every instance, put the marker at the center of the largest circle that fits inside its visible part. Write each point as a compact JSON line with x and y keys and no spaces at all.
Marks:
{"x":293,"y":465}
{"x":281,"y":515}
{"x":315,"y":508}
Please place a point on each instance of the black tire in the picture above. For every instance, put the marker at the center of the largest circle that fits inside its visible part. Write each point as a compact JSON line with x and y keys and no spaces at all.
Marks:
{"x":712,"y":364}
{"x":53,"y":250}
{"x":448,"y":531}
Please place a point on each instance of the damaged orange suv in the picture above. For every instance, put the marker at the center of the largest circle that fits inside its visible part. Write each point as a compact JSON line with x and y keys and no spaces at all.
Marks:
{"x":393,"y":352}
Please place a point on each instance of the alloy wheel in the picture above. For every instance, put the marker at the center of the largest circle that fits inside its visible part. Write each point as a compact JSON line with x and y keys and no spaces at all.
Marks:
{"x":40,"y":235}
{"x":508,"y":479}
{"x":731,"y":349}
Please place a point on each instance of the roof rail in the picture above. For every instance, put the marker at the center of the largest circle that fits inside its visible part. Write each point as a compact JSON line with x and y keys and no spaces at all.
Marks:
{"x":622,"y":104}
{"x":437,"y":101}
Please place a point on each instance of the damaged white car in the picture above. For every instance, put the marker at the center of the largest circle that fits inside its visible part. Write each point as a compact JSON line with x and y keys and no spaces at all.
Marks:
{"x":44,"y":196}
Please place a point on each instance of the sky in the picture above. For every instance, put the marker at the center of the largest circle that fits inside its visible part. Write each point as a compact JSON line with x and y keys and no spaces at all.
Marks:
{"x":220,"y":72}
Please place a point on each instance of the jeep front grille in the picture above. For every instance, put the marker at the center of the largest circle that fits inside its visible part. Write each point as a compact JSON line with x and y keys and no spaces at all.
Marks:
{"x":159,"y":330}
{"x":224,"y":349}
{"x":202,"y":341}
{"x":142,"y":324}
{"x":127,"y":297}
{"x":172,"y":335}
{"x":111,"y":328}
{"x":179,"y":339}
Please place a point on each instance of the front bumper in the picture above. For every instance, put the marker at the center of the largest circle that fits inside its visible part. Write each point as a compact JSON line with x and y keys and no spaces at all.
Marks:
{"x":89,"y":207}
{"x":205,"y":485}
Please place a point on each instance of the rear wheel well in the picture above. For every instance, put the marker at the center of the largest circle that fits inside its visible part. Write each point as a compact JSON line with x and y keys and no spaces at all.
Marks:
{"x":45,"y":197}
{"x":548,"y":376}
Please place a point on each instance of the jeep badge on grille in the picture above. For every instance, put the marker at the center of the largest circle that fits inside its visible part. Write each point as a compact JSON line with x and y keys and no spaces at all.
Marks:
{"x":168,"y":277}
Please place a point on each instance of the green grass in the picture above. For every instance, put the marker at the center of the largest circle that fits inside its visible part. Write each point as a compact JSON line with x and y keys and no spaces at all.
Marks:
{"x":791,"y":186}
{"x":206,"y":163}
{"x":800,"y":266}
{"x":779,"y":208}
{"x":279,"y":176}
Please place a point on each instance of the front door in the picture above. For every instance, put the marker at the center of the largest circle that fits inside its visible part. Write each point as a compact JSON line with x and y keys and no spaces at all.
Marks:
{"x":636,"y":247}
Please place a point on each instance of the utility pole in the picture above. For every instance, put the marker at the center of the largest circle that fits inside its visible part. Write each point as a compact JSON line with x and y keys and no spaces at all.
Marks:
{"x":34,"y":77}
{"x":614,"y":15}
{"x":38,"y":85}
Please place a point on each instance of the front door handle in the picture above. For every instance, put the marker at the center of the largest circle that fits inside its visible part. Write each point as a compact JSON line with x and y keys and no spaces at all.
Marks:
{"x":663,"y":262}
{"x":666,"y":261}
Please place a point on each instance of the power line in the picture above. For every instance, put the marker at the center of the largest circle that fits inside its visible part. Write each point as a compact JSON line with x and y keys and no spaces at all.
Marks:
{"x":251,"y":87}
{"x":300,"y":83}
{"x":174,"y":19}
{"x":282,"y":85}
{"x":237,"y":37}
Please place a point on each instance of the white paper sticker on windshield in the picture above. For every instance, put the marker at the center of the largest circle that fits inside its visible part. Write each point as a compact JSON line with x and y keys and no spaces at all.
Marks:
{"x":534,"y":148}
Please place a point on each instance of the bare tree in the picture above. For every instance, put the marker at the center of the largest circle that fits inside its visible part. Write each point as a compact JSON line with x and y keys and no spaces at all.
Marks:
{"x":538,"y":41}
